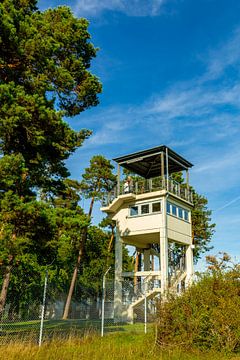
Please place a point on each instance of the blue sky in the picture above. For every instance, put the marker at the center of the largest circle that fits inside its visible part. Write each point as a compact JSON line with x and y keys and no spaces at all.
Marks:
{"x":171,"y":75}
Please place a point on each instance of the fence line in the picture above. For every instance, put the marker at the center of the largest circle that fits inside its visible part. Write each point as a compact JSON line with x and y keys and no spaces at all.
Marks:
{"x":40,"y":319}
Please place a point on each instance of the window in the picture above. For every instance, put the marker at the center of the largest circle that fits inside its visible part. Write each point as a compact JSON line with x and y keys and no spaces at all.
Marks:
{"x":174,"y":210}
{"x":180,"y":213}
{"x":168,"y":208}
{"x":156,"y":207}
{"x":186,"y":216}
{"x":145,"y":209}
{"x":133,"y":210}
{"x":177,"y":211}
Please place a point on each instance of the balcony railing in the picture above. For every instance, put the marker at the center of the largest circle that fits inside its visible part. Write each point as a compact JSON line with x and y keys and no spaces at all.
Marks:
{"x":146,"y":186}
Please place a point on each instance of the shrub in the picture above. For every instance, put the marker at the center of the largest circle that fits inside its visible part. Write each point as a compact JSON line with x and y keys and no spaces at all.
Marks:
{"x":207,"y":315}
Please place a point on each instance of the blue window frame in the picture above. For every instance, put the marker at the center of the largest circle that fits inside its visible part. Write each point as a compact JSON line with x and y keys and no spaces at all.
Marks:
{"x":177,"y":211}
{"x":133,"y":210}
{"x":168,"y":208}
{"x":174,"y":210}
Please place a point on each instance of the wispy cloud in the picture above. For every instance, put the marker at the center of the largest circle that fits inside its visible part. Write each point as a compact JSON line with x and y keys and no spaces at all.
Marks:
{"x":198,"y":118}
{"x":128,"y":7}
{"x":224,"y":57}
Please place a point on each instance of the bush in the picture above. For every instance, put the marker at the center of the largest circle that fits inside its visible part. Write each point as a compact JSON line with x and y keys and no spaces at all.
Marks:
{"x":207,"y":315}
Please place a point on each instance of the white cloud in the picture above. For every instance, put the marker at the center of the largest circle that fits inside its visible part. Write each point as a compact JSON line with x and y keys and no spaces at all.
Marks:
{"x":128,"y":7}
{"x":227,"y":55}
{"x":201,"y":117}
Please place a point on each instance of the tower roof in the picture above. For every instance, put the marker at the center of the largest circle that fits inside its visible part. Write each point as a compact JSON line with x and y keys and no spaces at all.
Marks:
{"x":148,"y":163}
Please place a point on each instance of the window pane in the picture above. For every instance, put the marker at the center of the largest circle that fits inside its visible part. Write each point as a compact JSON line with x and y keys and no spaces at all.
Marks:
{"x":145,"y":209}
{"x":174,"y":210}
{"x":133,"y":210}
{"x":186,"y":215}
{"x":168,"y":208}
{"x":180,"y":212}
{"x":156,"y":207}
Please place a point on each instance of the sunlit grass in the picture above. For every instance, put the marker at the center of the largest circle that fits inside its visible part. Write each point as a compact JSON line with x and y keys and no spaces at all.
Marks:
{"x":124,"y":346}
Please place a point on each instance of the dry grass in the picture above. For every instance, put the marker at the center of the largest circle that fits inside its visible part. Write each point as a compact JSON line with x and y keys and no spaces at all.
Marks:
{"x":123,"y":346}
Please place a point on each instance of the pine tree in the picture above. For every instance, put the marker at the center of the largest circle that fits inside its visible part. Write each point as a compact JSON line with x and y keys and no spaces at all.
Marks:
{"x":44,"y":78}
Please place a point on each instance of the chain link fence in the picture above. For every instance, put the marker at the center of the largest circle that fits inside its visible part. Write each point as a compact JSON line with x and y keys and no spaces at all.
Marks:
{"x":138,"y":307}
{"x":40,"y":319}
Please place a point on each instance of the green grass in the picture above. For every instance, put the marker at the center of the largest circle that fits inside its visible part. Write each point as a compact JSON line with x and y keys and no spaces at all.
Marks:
{"x":8,"y":327}
{"x":28,"y":331}
{"x":118,"y":346}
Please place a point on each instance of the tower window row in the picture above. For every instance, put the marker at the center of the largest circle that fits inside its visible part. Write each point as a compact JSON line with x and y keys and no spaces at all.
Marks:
{"x":173,"y":209}
{"x":145,"y":209}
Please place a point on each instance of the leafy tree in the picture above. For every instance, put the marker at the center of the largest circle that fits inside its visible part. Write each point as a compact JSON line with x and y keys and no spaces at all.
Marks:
{"x":98,"y":177}
{"x":44,"y":77}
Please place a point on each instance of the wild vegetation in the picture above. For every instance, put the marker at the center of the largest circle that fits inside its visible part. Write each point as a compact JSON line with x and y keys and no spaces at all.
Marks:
{"x":120,"y":346}
{"x":207,"y":315}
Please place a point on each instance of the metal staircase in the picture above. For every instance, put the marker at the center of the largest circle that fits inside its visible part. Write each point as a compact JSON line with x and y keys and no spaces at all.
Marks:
{"x":152,"y":287}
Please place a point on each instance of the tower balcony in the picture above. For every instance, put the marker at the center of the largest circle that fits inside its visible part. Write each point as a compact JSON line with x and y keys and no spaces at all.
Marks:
{"x":181,"y":191}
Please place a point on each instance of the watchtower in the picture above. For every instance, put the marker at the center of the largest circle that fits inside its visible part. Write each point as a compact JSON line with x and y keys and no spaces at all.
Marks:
{"x":153,"y":213}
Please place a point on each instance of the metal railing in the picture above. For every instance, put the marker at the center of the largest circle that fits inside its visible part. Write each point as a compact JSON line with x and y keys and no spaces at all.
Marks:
{"x":148,"y":185}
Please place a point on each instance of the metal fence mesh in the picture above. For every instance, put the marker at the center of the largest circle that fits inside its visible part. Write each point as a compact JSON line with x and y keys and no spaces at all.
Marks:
{"x":22,"y":321}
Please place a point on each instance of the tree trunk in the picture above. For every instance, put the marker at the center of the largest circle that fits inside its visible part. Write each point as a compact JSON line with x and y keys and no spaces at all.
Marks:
{"x":110,"y":246}
{"x":75,"y":271}
{"x":73,"y":281}
{"x":4,"y":290}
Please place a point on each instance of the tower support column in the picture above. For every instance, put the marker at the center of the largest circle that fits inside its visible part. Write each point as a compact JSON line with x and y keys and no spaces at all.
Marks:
{"x":189,"y":265}
{"x":164,"y":261}
{"x":146,"y":259}
{"x":118,"y":277}
{"x":164,"y":250}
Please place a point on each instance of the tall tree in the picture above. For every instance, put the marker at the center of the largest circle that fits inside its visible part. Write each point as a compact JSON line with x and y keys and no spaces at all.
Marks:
{"x":44,"y":77}
{"x":98,"y":178}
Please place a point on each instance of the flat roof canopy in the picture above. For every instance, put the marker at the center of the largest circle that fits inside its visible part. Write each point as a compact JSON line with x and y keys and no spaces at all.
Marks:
{"x":148,"y":163}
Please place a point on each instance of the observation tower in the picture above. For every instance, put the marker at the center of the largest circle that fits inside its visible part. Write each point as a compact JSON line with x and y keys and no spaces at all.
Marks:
{"x":152,"y":211}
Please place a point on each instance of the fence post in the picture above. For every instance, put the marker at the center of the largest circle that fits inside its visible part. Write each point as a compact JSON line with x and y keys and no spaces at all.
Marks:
{"x":103,"y":300}
{"x":43,"y":309}
{"x":145,"y":307}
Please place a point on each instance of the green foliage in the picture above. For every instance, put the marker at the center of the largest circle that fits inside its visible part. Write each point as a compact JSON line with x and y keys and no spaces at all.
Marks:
{"x":98,"y":177}
{"x":44,"y":77}
{"x":95,"y":262}
{"x":202,"y":227}
{"x":44,"y":64}
{"x":207,"y":314}
{"x":25,"y":227}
